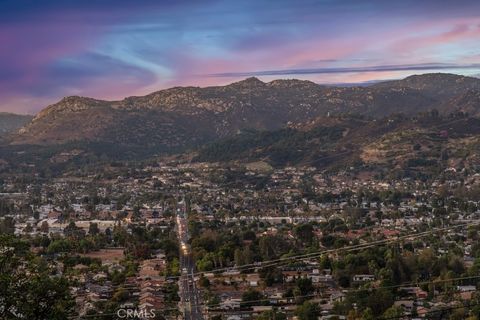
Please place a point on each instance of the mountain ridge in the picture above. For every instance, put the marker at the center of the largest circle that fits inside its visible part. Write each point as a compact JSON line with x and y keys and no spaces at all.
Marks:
{"x":183,"y":117}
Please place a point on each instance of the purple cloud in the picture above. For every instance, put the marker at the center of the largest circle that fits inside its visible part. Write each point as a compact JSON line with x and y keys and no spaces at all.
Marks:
{"x":113,"y":48}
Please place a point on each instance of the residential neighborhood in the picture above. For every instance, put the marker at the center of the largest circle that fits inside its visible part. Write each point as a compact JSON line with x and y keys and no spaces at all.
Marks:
{"x":261,"y":242}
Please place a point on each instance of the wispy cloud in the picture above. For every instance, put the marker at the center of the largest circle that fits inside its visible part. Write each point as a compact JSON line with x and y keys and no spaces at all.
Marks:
{"x":114,"y":48}
{"x":380,"y":68}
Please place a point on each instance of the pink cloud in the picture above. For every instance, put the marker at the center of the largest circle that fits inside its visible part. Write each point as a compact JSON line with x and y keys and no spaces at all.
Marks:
{"x":456,"y":34}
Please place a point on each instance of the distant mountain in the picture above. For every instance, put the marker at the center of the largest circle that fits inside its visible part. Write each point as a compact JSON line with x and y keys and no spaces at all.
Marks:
{"x":10,"y":122}
{"x":186,"y":117}
{"x":435,"y":85}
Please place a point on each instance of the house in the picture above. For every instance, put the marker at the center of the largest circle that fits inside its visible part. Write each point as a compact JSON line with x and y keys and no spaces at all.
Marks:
{"x":253,"y":280}
{"x":407,"y":305}
{"x":260,"y":309}
{"x":337,"y":296}
{"x":151,"y":268}
{"x":276,"y":298}
{"x":100,"y":276}
{"x":416,"y":291}
{"x":466,"y":288}
{"x":363,"y":277}
{"x":320,"y":278}
{"x":230,"y":304}
{"x":54,"y":214}
{"x":421,"y":294}
{"x":466,"y":292}
{"x":104,"y":215}
{"x":291,"y":276}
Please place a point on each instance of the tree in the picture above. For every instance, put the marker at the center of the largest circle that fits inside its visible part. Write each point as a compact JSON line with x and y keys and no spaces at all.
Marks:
{"x":59,"y":245}
{"x":28,"y":228}
{"x":271,"y":275}
{"x":27,"y":289}
{"x":120,"y":295}
{"x":120,"y":235}
{"x":303,"y":288}
{"x":368,"y":314}
{"x":238,"y":257}
{"x":393,"y":312}
{"x":272,"y":315}
{"x":7,"y":225}
{"x":458,"y":314}
{"x":325,"y":262}
{"x":353,"y":315}
{"x":204,"y":282}
{"x":379,"y":301}
{"x":308,"y":311}
{"x":247,"y":255}
{"x":249,"y":296}
{"x":305,"y":232}
{"x":93,"y":229}
{"x":71,"y":230}
{"x":44,"y":227}
{"x":206,"y":263}
{"x":271,"y":245}
{"x":242,"y":257}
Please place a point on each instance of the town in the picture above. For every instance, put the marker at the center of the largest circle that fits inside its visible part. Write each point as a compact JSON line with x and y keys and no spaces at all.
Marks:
{"x":207,"y":241}
{"x":239,"y":160}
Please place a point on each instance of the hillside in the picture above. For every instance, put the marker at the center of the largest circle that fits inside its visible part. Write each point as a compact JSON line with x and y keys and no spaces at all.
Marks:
{"x":182,"y":117}
{"x":435,"y":85}
{"x":415,"y":145}
{"x":10,"y":122}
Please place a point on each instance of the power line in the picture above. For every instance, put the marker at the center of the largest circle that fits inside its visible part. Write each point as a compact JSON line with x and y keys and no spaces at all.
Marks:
{"x":360,"y":247}
{"x":364,"y":289}
{"x":302,"y":257}
{"x":316,"y":295}
{"x":347,"y":248}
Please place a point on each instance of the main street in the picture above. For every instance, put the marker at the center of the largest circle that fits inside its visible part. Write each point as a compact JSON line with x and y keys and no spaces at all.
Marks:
{"x":190,"y":298}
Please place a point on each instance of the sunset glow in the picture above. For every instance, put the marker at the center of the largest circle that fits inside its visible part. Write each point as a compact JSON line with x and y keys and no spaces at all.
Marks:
{"x":112,"y":49}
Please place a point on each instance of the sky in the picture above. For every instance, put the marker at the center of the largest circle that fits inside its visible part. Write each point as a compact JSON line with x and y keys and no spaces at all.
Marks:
{"x":111,"y":49}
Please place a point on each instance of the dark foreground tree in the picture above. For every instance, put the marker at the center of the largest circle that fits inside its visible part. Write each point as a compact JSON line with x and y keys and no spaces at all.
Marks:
{"x":27,"y":288}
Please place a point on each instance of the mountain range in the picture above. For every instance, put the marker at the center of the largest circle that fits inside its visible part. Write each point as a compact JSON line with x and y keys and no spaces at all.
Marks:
{"x":181,"y":117}
{"x":247,"y":119}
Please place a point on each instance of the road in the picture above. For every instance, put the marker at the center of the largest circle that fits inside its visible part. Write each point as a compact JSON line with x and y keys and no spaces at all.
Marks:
{"x":190,"y":297}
